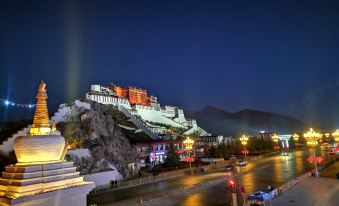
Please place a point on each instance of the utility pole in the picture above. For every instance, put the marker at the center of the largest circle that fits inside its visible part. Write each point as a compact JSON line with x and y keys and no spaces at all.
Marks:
{"x":233,"y":188}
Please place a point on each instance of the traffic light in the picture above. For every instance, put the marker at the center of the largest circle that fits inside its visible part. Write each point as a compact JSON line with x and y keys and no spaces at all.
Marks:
{"x":232,"y":185}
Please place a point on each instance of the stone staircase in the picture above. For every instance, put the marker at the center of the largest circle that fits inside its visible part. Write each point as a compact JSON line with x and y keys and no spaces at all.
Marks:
{"x":138,"y":123}
{"x":7,"y":146}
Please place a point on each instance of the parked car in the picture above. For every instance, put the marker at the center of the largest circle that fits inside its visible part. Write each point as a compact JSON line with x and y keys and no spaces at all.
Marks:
{"x":233,"y":160}
{"x":242,"y":163}
{"x":284,"y":154}
{"x":229,"y":168}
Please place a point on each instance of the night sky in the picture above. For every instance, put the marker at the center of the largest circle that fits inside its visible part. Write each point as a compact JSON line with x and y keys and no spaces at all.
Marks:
{"x":275,"y":56}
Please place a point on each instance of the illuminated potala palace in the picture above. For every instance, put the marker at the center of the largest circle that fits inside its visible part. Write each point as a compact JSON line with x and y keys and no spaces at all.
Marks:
{"x":135,"y":102}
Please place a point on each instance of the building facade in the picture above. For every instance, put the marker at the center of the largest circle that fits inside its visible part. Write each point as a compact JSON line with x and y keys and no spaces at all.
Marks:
{"x":137,"y":103}
{"x":156,"y":152}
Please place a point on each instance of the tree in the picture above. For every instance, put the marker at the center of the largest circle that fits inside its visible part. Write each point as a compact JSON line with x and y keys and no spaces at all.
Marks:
{"x":172,"y":158}
{"x":223,"y":150}
{"x":291,"y":143}
{"x":302,"y":140}
{"x":238,"y":146}
{"x":212,"y":152}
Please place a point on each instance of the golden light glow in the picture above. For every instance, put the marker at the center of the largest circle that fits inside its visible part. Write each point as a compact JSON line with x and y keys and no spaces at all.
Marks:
{"x":39,"y":148}
{"x":312,"y":137}
{"x":275,"y":138}
{"x":41,"y":119}
{"x":243,"y":139}
{"x":188,"y":142}
{"x":295,"y":137}
{"x":336,"y":135}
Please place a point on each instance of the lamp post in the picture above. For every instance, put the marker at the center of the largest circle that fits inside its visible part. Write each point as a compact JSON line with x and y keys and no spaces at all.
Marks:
{"x":188,"y":142}
{"x":243,"y":140}
{"x":295,"y":137}
{"x":336,"y":135}
{"x":312,"y":140}
{"x":275,"y":138}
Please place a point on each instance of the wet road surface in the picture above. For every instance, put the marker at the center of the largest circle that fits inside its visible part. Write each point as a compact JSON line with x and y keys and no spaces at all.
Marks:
{"x":273,"y":171}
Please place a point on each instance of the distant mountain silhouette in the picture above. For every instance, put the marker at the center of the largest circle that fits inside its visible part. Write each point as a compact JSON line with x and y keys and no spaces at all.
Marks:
{"x":218,"y":121}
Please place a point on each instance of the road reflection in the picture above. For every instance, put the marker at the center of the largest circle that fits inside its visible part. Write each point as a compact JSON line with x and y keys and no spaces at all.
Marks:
{"x":273,"y":171}
{"x":277,"y":171}
{"x":195,"y":199}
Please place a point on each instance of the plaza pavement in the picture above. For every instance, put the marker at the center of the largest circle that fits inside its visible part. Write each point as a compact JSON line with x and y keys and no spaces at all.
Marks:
{"x":312,"y":191}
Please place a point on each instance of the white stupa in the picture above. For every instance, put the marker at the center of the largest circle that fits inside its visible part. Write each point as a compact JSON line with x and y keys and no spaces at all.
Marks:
{"x":41,"y":176}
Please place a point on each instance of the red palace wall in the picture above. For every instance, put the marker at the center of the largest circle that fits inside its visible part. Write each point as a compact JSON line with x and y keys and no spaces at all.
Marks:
{"x":133,"y":94}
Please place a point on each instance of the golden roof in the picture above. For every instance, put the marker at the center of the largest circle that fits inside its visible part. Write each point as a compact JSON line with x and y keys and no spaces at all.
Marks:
{"x":41,"y":120}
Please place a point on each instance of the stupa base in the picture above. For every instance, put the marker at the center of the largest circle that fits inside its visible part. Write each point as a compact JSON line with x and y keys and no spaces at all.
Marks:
{"x":75,"y":196}
{"x":43,"y":184}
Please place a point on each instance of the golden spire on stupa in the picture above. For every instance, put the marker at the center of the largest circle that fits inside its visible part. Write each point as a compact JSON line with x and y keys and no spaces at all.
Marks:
{"x":41,"y":120}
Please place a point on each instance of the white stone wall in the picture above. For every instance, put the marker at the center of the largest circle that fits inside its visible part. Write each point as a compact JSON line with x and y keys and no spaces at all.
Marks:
{"x":149,"y":114}
{"x":102,"y":178}
{"x":79,"y":152}
{"x":109,"y":100}
{"x":181,"y":116}
{"x":95,"y":88}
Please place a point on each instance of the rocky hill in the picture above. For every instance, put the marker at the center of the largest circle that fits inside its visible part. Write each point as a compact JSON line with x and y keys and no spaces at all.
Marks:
{"x":250,"y":121}
{"x":98,"y":129}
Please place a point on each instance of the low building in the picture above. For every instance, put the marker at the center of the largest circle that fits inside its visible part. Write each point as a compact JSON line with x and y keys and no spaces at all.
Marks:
{"x":210,"y":140}
{"x":156,"y":152}
{"x":265,"y":135}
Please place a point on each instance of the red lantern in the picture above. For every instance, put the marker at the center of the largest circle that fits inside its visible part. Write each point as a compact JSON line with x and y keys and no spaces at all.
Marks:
{"x":180,"y":151}
{"x":189,"y":159}
{"x":319,"y":159}
{"x":310,"y":159}
{"x":316,"y":159}
{"x":245,"y":152}
{"x":276,"y":147}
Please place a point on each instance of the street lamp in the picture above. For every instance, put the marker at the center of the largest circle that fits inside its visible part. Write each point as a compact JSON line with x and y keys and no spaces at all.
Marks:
{"x":312,"y":140}
{"x":275,"y":138}
{"x":295,"y":137}
{"x":336,"y":135}
{"x":188,"y":142}
{"x":243,"y":140}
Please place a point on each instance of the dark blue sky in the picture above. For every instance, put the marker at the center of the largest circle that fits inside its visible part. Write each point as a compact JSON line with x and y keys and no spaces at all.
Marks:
{"x":276,"y":56}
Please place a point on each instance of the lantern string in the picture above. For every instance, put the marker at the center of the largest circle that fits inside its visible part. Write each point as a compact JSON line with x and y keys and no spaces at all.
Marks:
{"x":8,"y":103}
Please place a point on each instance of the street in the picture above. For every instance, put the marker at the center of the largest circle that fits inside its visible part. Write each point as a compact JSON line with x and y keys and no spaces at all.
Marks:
{"x":273,"y":171}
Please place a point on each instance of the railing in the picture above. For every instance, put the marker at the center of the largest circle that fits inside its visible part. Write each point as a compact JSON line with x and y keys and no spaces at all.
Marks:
{"x":139,"y":181}
{"x":293,"y":182}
